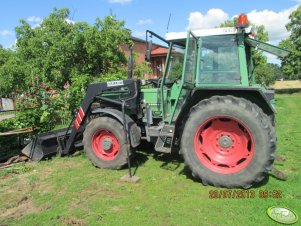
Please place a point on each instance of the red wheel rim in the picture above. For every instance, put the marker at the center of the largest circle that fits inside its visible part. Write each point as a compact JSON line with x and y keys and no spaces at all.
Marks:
{"x":224,"y":145}
{"x":105,"y":145}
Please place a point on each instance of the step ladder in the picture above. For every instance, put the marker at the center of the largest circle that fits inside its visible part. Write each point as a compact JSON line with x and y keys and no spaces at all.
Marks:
{"x":165,"y":139}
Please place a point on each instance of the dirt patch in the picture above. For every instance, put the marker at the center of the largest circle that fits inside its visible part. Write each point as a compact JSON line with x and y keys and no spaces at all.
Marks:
{"x":7,"y":176}
{"x":115,"y":208}
{"x":98,"y":189}
{"x":23,"y":207}
{"x":73,"y":221}
{"x":57,"y":164}
{"x":67,"y":163}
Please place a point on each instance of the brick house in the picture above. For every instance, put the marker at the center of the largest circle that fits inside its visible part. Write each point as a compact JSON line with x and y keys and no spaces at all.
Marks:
{"x":158,"y":56}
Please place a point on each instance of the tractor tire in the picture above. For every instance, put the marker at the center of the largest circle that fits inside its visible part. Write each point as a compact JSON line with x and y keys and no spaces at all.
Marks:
{"x":104,"y":143}
{"x":228,"y":142}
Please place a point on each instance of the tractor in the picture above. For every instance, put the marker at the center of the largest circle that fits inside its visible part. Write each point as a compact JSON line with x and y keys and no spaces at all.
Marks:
{"x":207,"y":107}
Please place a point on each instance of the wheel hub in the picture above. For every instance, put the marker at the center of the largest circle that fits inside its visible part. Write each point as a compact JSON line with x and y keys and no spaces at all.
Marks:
{"x":224,"y":144}
{"x":107,"y":144}
{"x":225,"y":141}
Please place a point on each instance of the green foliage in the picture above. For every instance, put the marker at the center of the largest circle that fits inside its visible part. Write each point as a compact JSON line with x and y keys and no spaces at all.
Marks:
{"x":17,"y":169}
{"x":176,"y":72}
{"x":112,"y":35}
{"x":7,"y":124}
{"x":44,"y":109}
{"x":58,"y":48}
{"x":76,"y":91}
{"x":110,"y":76}
{"x":278,"y":73}
{"x":141,"y":70}
{"x":291,"y":65}
{"x":79,"y":84}
{"x":12,"y":71}
{"x":230,"y":23}
{"x":265,"y":74}
{"x":258,"y":58}
{"x":8,"y":143}
{"x":55,"y":54}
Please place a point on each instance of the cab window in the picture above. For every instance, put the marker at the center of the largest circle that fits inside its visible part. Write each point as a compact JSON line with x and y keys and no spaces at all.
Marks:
{"x":219,"y":60}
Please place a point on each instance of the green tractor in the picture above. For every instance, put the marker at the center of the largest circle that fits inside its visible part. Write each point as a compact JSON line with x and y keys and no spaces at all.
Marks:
{"x":206,"y":106}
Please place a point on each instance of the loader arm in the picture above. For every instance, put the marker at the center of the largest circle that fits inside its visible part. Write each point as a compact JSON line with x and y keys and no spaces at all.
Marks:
{"x":93,"y":91}
{"x":63,"y":141}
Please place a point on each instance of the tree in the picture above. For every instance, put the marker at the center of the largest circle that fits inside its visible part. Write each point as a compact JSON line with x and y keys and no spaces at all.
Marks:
{"x":12,"y":72}
{"x":56,"y":53}
{"x":277,"y":72}
{"x":262,"y":70}
{"x":59,"y":49}
{"x":230,"y":23}
{"x":265,"y":74}
{"x":291,"y":65}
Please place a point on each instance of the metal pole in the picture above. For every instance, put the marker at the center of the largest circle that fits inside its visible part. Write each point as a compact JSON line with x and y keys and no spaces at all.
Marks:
{"x":125,"y":129}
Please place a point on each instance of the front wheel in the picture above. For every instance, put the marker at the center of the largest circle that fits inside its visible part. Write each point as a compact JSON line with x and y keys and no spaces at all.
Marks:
{"x":233,"y":142}
{"x":104,"y":143}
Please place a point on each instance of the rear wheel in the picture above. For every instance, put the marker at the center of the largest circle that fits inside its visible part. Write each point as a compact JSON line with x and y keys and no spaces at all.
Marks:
{"x":104,"y":143}
{"x":233,"y":142}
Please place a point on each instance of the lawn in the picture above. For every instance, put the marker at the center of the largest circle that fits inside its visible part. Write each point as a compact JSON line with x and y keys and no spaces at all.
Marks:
{"x":287,"y":84}
{"x":70,"y":191}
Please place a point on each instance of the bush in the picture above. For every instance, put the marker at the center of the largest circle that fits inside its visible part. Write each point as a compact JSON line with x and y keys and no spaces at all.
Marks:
{"x":43,"y":108}
{"x":8,"y":143}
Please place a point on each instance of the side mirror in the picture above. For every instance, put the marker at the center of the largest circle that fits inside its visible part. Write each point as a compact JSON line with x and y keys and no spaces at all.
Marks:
{"x":149,"y":45}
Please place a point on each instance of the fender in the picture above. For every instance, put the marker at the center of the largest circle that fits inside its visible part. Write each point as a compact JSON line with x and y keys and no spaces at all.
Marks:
{"x":134,"y":130}
{"x":263,"y":98}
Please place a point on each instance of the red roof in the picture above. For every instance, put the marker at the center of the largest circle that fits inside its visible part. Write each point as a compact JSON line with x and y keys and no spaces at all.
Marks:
{"x":160,"y":51}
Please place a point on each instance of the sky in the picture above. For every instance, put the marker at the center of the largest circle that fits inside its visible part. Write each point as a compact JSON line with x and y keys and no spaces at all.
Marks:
{"x":140,"y":15}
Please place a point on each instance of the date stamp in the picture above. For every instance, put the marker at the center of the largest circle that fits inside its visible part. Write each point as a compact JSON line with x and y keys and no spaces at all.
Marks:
{"x":245,"y":194}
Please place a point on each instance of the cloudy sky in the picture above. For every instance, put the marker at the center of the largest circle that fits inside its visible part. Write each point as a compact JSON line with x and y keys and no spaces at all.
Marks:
{"x":140,"y":15}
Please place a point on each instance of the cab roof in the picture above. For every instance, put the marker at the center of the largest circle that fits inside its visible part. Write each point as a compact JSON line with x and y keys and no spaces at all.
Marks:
{"x":173,"y":36}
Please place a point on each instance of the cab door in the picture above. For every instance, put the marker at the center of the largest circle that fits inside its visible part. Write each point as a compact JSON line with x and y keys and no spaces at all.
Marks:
{"x":179,"y":77}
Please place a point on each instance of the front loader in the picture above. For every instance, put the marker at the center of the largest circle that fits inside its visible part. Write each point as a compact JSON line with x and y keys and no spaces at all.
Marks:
{"x":64,"y":141}
{"x":206,"y":106}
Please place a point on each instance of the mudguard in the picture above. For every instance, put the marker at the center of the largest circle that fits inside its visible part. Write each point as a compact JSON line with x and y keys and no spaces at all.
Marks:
{"x":134,"y":130}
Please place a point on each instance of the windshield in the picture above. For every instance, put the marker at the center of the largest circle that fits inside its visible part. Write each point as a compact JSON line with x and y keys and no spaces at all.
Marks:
{"x":219,"y":60}
{"x":175,"y":66}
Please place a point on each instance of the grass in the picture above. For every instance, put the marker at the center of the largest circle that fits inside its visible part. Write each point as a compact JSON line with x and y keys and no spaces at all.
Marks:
{"x":287,"y":84}
{"x":70,"y":191}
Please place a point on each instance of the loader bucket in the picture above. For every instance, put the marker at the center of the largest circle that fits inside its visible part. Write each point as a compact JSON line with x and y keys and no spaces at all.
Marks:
{"x":44,"y":145}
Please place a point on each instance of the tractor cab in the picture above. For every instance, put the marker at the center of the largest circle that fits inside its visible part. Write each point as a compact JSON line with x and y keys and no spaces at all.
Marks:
{"x":217,"y":58}
{"x":204,"y":59}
